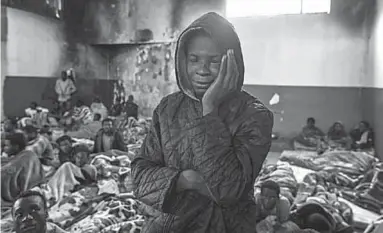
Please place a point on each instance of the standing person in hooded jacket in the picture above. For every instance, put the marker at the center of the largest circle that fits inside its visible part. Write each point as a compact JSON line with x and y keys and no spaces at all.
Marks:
{"x":207,"y":143}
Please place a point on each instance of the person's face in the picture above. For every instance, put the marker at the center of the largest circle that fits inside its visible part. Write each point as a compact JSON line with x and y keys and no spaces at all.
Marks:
{"x":362,"y":127}
{"x":80,"y":158}
{"x":33,"y":106}
{"x":269,"y":198}
{"x":64,"y":77}
{"x":10,"y":149}
{"x":8,"y":126}
{"x":203,"y":63}
{"x":310,"y":123}
{"x":107,"y":126}
{"x":65,"y":146}
{"x":338,"y":127}
{"x":30,"y":215}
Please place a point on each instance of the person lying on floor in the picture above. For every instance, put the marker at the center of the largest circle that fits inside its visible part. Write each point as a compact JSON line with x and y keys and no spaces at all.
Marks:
{"x":337,"y":137}
{"x":88,"y":131}
{"x":362,"y":136}
{"x":108,"y":138}
{"x":98,"y":107}
{"x":273,"y":210}
{"x":71,"y":174}
{"x":310,"y":136}
{"x":208,"y":141}
{"x":82,"y":115}
{"x":30,"y":214}
{"x":22,"y":172}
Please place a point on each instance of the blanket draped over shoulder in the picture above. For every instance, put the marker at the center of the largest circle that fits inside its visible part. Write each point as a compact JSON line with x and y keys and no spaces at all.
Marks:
{"x":21,"y":173}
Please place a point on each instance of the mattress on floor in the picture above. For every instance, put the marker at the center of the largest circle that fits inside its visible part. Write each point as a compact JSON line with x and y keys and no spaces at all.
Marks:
{"x":362,"y":217}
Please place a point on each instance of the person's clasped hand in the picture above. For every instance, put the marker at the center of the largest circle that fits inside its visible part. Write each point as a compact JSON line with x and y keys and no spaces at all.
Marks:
{"x":192,"y":180}
{"x":225,"y":83}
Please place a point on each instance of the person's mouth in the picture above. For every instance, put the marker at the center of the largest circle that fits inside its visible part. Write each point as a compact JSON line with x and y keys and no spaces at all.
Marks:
{"x":28,"y":227}
{"x":202,"y":85}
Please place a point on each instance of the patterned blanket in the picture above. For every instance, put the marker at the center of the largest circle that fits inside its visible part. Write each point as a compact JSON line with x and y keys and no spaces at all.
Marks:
{"x":348,"y":162}
{"x":106,"y":206}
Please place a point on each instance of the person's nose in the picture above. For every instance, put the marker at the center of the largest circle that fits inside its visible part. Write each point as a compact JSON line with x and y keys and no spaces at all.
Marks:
{"x":27,"y":217}
{"x":203,"y":69}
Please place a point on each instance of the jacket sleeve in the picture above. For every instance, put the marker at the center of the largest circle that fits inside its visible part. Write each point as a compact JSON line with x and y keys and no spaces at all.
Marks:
{"x":229,"y":163}
{"x":120,"y":142}
{"x":154,"y":182}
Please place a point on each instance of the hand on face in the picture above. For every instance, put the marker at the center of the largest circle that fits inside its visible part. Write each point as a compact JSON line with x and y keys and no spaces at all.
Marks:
{"x":192,"y":180}
{"x":226,"y":83}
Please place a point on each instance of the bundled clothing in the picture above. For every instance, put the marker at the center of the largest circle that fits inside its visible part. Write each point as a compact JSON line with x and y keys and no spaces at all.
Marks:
{"x":88,"y":131}
{"x":82,"y":115}
{"x":227,"y":148}
{"x":100,"y":109}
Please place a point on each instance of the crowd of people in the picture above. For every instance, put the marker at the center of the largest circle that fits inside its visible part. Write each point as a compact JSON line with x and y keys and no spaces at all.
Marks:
{"x":196,"y":169}
{"x":312,"y":138}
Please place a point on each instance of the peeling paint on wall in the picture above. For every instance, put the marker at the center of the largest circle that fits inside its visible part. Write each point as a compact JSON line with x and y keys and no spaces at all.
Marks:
{"x":147,"y":72}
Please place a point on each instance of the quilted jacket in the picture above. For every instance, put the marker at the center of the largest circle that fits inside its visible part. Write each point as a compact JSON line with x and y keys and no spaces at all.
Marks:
{"x":226,"y":148}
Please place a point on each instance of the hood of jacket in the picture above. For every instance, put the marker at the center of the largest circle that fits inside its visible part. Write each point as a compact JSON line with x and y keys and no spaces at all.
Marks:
{"x":220,"y":31}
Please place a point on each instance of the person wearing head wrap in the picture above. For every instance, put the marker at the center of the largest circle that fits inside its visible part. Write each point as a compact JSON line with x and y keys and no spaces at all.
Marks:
{"x":208,"y":141}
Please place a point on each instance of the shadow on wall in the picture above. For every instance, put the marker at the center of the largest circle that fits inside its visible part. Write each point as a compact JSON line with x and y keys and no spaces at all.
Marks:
{"x":147,"y":72}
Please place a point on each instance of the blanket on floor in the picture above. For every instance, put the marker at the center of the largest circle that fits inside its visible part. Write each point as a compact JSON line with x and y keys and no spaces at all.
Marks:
{"x":106,"y":205}
{"x":348,"y":162}
{"x":315,"y":189}
{"x":281,"y":174}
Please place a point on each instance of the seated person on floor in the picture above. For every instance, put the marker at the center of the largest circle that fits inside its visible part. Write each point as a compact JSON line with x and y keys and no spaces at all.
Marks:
{"x":131,"y":108}
{"x":108,"y":138}
{"x":30,"y":214}
{"x":98,"y":107}
{"x":337,"y":136}
{"x":9,"y":126}
{"x":117,"y":108}
{"x":40,"y":145}
{"x":22,"y":172}
{"x":88,"y":131}
{"x":310,"y":137}
{"x":272,"y":209}
{"x":82,"y":115}
{"x":362,"y":137}
{"x":65,"y":144}
{"x":38,"y":115}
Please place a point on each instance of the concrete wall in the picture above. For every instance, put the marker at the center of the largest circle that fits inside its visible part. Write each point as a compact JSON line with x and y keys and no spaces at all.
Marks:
{"x":302,"y":50}
{"x":373,"y":95}
{"x":35,"y":44}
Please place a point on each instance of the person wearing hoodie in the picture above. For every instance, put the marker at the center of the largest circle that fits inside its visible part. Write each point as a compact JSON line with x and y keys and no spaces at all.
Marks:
{"x":207,"y":143}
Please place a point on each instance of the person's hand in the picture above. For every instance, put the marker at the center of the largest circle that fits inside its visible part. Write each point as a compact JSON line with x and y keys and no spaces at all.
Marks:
{"x":272,"y":220}
{"x":225,"y":83}
{"x":191,"y":180}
